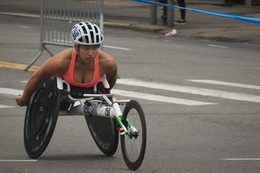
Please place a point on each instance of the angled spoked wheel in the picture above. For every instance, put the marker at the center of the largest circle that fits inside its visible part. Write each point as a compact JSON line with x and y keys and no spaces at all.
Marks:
{"x":103,"y":130}
{"x":133,"y":146}
{"x":41,"y":117}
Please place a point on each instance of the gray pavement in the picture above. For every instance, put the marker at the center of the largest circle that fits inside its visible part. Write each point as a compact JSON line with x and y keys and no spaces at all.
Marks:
{"x":134,"y":15}
{"x":181,"y":138}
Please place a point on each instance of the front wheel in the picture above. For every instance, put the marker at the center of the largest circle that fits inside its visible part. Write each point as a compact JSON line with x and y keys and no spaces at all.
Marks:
{"x":133,"y":145}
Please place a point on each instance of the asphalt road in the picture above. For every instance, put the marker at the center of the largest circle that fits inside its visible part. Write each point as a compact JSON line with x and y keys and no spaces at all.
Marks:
{"x":201,"y":103}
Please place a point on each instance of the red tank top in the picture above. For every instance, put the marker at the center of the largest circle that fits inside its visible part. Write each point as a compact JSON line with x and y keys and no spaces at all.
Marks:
{"x":69,"y":75}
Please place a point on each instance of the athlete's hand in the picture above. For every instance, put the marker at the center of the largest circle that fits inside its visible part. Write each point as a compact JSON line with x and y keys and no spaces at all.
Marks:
{"x":20,"y":101}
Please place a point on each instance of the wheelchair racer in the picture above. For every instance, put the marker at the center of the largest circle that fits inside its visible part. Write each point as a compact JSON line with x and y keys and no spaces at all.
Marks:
{"x":81,"y":66}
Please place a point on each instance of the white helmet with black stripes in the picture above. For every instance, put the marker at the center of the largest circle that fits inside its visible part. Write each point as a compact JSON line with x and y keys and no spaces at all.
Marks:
{"x":87,"y":33}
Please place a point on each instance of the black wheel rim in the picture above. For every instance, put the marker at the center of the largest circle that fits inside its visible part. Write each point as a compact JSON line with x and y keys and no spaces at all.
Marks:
{"x":41,"y":117}
{"x":40,"y":108}
{"x":133,"y":148}
{"x":104,"y":132}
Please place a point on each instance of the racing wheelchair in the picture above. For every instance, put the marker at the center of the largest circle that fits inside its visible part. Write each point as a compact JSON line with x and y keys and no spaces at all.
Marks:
{"x":55,"y":97}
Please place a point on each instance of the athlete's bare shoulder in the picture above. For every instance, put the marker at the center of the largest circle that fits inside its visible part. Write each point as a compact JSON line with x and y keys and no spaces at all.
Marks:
{"x":64,"y":55}
{"x":58,"y":64}
{"x":62,"y":60}
{"x":106,"y":59}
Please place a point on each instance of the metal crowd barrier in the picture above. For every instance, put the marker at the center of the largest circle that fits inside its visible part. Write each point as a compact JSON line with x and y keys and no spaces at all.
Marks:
{"x":58,"y":17}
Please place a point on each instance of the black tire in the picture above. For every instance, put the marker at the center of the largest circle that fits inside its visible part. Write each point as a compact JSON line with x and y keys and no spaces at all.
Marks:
{"x":103,"y":129}
{"x":104,"y":132}
{"x":134,"y":155}
{"x":41,"y":117}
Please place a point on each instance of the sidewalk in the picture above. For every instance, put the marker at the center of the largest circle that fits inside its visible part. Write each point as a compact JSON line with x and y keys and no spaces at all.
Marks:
{"x":134,"y":15}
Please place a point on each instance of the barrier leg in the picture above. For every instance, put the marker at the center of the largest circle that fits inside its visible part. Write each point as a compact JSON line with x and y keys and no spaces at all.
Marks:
{"x":170,"y":14}
{"x":51,"y":54}
{"x":34,"y":60}
{"x":38,"y":56}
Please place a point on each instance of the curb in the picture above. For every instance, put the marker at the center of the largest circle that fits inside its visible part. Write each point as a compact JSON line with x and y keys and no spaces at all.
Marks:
{"x":134,"y":26}
{"x":112,"y":24}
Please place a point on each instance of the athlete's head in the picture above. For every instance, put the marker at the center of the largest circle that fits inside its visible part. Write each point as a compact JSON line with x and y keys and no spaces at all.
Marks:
{"x":86,"y":33}
{"x":87,"y":38}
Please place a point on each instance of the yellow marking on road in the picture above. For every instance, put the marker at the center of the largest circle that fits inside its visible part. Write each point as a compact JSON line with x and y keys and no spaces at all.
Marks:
{"x":17,"y":66}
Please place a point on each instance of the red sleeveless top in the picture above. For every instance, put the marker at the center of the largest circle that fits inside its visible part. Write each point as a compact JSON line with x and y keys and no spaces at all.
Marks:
{"x":69,"y":74}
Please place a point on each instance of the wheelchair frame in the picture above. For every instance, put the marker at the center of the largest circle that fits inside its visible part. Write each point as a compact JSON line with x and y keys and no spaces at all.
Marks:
{"x":92,"y":106}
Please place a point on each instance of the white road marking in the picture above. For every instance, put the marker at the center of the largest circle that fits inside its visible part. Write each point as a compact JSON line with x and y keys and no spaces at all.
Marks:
{"x":145,"y":96}
{"x":115,"y":47}
{"x":18,"y":160}
{"x":4,"y":106}
{"x":10,"y":91}
{"x":106,"y":46}
{"x":191,"y":90}
{"x":24,"y":27}
{"x":20,"y":14}
{"x":241,"y":159}
{"x":159,"y":98}
{"x":217,"y":46}
{"x":226,"y":84}
{"x":176,"y":88}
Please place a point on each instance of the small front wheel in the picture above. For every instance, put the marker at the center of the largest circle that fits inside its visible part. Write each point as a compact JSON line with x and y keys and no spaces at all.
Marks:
{"x":133,"y":145}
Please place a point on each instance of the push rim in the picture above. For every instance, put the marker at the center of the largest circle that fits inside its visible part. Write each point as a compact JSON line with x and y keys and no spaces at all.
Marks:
{"x":41,"y":117}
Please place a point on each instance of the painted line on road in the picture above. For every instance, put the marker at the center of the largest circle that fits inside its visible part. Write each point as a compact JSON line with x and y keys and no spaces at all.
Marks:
{"x":19,"y":14}
{"x":23,"y":27}
{"x":151,"y":97}
{"x":17,"y":66}
{"x":226,"y":84}
{"x":18,"y":160}
{"x":191,"y":90}
{"x":106,"y":46}
{"x":241,"y":159}
{"x":10,"y":91}
{"x":159,"y":98}
{"x":217,"y":46}
{"x":115,"y":47}
{"x":4,"y":106}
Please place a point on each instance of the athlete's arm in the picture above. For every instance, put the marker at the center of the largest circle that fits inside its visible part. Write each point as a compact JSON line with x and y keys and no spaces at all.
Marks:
{"x":55,"y":65}
{"x":112,"y":74}
{"x":109,"y":67}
